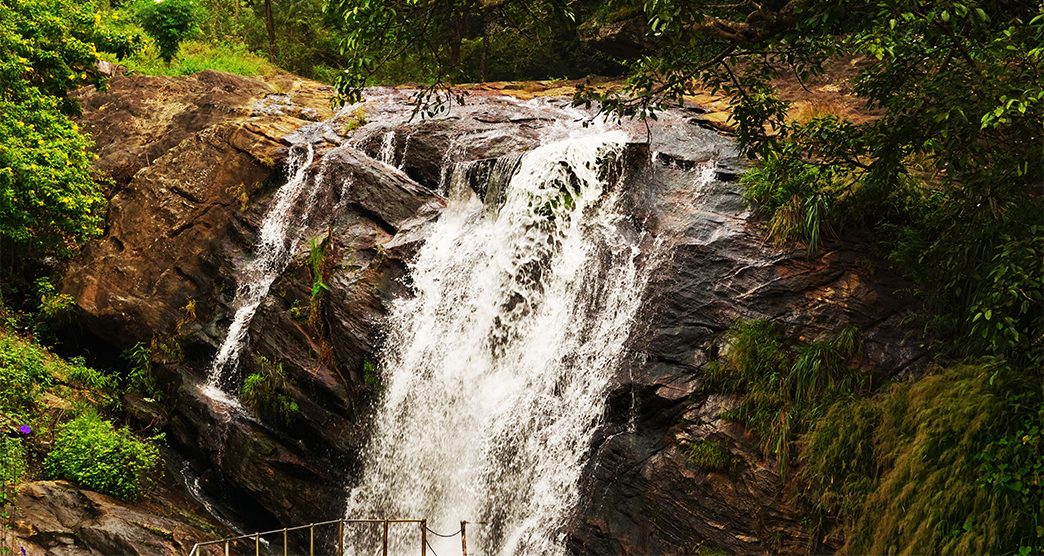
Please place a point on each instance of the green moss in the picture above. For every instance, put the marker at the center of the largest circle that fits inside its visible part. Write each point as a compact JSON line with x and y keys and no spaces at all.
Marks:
{"x":355,"y":121}
{"x":712,"y":456}
{"x":371,"y":375}
{"x":949,"y":464}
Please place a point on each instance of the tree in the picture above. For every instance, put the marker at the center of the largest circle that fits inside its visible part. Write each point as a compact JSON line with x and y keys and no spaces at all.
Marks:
{"x":50,"y":200}
{"x":441,"y":42}
{"x":168,"y":22}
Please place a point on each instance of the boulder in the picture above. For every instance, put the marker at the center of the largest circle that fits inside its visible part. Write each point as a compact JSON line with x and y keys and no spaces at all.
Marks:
{"x":55,"y":517}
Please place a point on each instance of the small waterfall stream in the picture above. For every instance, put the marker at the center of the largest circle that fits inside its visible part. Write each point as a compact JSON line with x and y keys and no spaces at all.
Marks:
{"x":280,"y":232}
{"x":496,"y":368}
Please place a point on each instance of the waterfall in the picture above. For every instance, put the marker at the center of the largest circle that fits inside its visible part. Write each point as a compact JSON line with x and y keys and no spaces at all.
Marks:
{"x":496,"y":368}
{"x":278,"y":236}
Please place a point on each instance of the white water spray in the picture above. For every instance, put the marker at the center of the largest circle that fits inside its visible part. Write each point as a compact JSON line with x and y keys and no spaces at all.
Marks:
{"x":497,"y":367}
{"x":277,"y":239}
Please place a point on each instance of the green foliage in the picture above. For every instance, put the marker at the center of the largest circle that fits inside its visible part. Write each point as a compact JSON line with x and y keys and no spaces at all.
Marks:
{"x":49,"y":47}
{"x":785,"y":385}
{"x":168,"y":22}
{"x":51,"y":201}
{"x":12,"y":467}
{"x":316,"y":264}
{"x":196,"y":56}
{"x":93,"y":379}
{"x":54,"y":309}
{"x":267,"y":392}
{"x":318,"y":268}
{"x":945,"y":172}
{"x":25,"y":371}
{"x":92,"y":453}
{"x":949,"y":464}
{"x":712,"y":456}
{"x":371,"y":375}
{"x":140,"y":377}
{"x":442,"y":43}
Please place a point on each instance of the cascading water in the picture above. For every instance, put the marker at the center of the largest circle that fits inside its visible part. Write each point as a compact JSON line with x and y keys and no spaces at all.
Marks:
{"x":277,"y":238}
{"x":497,"y":367}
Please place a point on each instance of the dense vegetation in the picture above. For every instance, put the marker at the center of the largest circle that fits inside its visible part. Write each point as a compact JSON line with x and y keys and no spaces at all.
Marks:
{"x":948,"y":464}
{"x":52,"y":200}
{"x":43,"y":396}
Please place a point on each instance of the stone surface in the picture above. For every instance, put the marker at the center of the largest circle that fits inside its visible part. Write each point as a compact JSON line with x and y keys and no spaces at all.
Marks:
{"x":183,"y":221}
{"x":54,"y":517}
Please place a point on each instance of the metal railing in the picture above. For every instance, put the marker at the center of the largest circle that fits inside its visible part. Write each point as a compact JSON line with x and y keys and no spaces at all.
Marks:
{"x":226,"y":544}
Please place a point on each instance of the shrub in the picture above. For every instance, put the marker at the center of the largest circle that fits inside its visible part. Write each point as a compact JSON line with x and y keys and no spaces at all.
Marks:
{"x":94,"y":454}
{"x":168,"y":22}
{"x":12,"y":466}
{"x":195,"y":56}
{"x":949,"y":464}
{"x":140,"y":377}
{"x":24,"y":372}
{"x":266,"y":392}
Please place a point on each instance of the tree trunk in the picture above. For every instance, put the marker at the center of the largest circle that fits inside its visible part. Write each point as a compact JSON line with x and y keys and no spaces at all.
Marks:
{"x":485,"y":49}
{"x":270,"y":24}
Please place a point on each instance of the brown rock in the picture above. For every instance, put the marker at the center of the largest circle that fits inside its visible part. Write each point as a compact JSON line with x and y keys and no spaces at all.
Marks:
{"x":54,"y":517}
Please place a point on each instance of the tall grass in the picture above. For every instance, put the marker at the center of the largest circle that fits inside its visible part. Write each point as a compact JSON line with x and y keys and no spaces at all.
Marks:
{"x":785,"y":384}
{"x":949,"y":464}
{"x":196,"y":56}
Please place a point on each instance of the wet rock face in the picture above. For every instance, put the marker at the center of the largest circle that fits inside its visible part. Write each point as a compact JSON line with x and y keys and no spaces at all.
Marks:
{"x":643,"y":495}
{"x":184,"y":221}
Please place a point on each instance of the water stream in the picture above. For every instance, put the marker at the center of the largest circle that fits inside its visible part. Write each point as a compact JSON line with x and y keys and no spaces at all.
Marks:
{"x":496,"y":368}
{"x":280,"y":231}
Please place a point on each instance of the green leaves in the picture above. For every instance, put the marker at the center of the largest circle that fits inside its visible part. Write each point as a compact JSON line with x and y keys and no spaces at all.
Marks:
{"x":168,"y":22}
{"x":50,"y":201}
{"x":92,"y":453}
{"x":267,"y":392}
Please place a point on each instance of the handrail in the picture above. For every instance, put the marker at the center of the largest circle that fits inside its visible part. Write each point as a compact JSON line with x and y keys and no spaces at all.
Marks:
{"x":227,"y":542}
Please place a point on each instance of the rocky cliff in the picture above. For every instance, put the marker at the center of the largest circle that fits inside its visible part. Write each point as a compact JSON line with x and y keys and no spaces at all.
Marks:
{"x":197,"y":161}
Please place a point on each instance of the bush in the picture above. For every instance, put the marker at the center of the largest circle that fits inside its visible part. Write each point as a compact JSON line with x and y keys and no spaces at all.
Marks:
{"x":266,"y":392}
{"x":24,"y":372}
{"x":92,"y":453}
{"x":168,"y":22}
{"x":12,"y":466}
{"x":195,"y":56}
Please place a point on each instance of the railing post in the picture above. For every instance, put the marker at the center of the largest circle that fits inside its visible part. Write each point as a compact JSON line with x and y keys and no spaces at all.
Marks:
{"x":463,"y":538}
{"x":384,"y":544}
{"x":424,"y":537}
{"x":340,"y":538}
{"x":257,"y":544}
{"x":286,"y":543}
{"x":226,"y":548}
{"x":311,"y":540}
